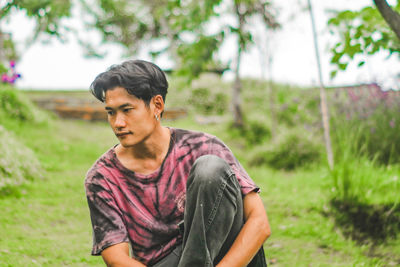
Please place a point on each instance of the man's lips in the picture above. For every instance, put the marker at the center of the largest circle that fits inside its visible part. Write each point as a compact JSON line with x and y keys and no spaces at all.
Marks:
{"x":122,"y":134}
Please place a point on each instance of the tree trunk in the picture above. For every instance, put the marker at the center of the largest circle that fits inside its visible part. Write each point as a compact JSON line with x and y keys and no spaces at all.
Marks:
{"x":324,"y":104}
{"x":271,"y":90}
{"x":391,"y":17}
{"x":237,"y":87}
{"x":272,"y":101}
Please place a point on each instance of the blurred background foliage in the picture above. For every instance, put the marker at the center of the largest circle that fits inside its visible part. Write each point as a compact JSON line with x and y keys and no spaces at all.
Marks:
{"x":362,"y":32}
{"x":360,"y":194}
{"x":47,"y":16}
{"x":275,"y":129}
{"x":18,"y":163}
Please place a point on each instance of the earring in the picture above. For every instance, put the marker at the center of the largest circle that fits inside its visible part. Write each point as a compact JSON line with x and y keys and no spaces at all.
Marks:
{"x":157,"y":118}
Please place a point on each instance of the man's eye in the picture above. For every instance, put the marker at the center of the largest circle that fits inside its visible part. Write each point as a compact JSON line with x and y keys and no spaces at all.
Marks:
{"x":127,"y":110}
{"x":109,"y":112}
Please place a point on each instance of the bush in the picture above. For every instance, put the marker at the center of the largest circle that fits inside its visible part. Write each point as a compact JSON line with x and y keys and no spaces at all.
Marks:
{"x":253,"y":132}
{"x":207,"y":95}
{"x":17,"y":162}
{"x":289,"y":151}
{"x":14,"y":105}
{"x":206,"y":102}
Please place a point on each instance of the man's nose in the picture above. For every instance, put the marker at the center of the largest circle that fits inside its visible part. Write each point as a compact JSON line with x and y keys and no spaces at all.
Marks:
{"x":120,"y":121}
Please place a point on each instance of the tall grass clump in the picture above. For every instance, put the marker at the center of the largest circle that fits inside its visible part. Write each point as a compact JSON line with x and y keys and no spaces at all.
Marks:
{"x":365,"y":199}
{"x":365,"y":178}
{"x":370,"y":118}
{"x":365,"y":134}
{"x":18,"y":163}
{"x":357,"y":179}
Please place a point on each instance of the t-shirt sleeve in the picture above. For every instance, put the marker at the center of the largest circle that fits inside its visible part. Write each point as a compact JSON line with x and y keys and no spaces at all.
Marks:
{"x":108,"y":226}
{"x":218,"y":148}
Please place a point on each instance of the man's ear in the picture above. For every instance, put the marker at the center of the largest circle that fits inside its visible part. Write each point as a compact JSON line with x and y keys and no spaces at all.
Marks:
{"x":158,"y":105}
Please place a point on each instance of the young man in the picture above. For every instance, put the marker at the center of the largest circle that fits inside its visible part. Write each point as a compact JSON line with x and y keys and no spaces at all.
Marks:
{"x":178,"y":197}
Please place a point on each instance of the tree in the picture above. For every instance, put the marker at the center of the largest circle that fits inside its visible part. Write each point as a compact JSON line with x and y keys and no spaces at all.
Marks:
{"x":364,"y":32}
{"x":47,"y":15}
{"x":323,"y":100}
{"x":245,"y":13}
{"x":391,"y":17}
{"x":244,"y":10}
{"x":181,"y":29}
{"x":158,"y":26}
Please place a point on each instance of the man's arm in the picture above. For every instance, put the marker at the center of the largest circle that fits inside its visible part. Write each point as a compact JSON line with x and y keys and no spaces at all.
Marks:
{"x":253,"y":234}
{"x":118,"y":256}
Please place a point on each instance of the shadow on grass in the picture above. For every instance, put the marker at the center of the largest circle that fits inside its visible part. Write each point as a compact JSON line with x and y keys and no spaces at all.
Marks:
{"x":372,"y":224}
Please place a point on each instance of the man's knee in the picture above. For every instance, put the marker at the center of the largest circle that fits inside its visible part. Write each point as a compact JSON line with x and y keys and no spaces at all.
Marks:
{"x":208,"y":168}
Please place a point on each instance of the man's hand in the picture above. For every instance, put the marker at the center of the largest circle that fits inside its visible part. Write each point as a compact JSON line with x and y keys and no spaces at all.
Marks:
{"x":253,"y":234}
{"x":118,"y":256}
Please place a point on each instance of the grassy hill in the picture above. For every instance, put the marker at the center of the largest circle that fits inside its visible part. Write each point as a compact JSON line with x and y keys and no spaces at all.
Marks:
{"x":45,"y":222}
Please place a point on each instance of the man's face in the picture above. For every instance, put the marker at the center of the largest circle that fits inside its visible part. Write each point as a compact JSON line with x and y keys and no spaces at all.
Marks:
{"x":129,"y":117}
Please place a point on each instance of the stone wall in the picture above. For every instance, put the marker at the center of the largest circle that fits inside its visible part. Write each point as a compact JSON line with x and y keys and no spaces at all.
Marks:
{"x":89,"y":110}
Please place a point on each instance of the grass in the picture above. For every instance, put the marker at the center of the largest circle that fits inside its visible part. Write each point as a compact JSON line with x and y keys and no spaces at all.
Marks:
{"x":46,"y":222}
{"x":302,"y":233}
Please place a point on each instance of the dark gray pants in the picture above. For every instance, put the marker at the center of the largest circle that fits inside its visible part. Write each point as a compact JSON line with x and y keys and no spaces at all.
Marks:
{"x":213,"y":216}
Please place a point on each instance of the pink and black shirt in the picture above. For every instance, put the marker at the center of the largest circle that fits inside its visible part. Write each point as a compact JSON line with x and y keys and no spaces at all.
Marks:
{"x":144,"y":210}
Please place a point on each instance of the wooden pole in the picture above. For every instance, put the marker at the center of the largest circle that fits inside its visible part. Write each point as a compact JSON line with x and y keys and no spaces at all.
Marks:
{"x":322,"y":93}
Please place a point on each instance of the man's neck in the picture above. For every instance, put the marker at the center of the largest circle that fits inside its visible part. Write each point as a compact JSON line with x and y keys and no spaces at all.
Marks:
{"x":150,"y":153}
{"x":154,"y":146}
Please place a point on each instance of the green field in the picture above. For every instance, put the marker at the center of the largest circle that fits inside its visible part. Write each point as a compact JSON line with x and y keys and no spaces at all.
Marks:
{"x":45,"y":221}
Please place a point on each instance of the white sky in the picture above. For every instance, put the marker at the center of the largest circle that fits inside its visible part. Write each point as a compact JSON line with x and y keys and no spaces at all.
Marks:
{"x":62,"y":66}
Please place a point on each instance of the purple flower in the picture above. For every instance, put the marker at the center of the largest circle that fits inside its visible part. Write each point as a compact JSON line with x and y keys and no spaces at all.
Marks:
{"x":352,"y":95}
{"x":391,"y":123}
{"x":4,"y":78}
{"x":12,"y":63}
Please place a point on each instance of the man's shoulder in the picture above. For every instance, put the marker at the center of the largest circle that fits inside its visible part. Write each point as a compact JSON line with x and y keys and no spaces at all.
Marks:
{"x":185,"y":136}
{"x":103,"y":163}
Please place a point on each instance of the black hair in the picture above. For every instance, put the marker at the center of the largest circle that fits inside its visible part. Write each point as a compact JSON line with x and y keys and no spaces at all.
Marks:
{"x":140,"y":78}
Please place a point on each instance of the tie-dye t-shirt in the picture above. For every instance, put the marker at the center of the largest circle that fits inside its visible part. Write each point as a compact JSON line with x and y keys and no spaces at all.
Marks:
{"x":145,"y":209}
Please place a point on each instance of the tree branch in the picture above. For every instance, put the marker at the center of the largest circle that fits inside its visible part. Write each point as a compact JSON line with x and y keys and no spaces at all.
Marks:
{"x":391,"y":17}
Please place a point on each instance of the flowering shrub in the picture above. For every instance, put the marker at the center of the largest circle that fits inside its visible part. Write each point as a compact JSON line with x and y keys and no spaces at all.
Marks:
{"x":369,"y":117}
{"x":11,"y":76}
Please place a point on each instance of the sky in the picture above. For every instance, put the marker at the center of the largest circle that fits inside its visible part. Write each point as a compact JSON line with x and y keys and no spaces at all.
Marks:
{"x":56,"y":65}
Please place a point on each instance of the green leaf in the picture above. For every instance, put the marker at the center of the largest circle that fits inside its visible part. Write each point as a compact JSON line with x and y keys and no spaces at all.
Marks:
{"x":354,"y":31}
{"x":342,"y":66}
